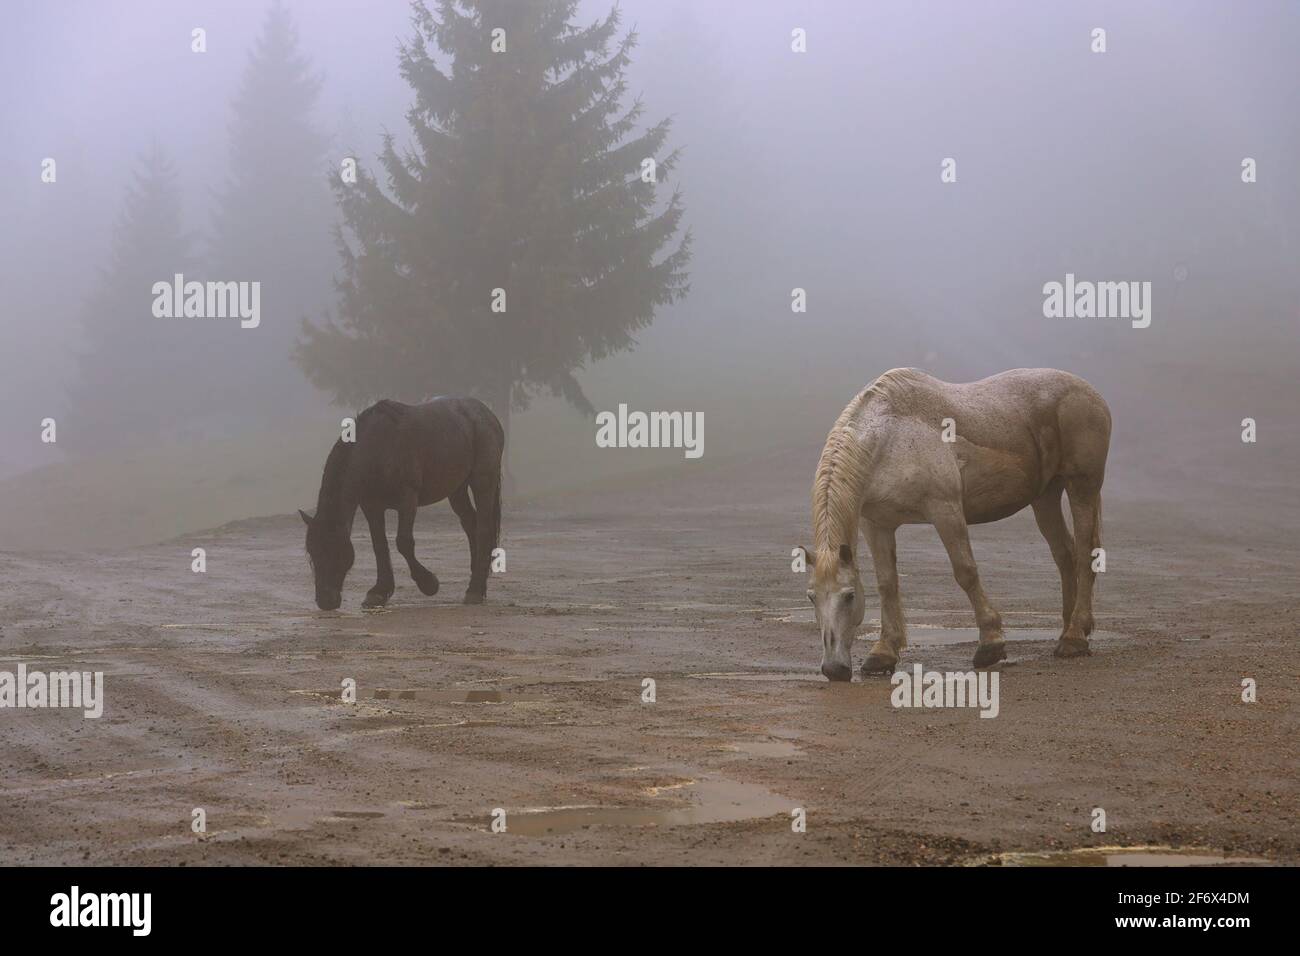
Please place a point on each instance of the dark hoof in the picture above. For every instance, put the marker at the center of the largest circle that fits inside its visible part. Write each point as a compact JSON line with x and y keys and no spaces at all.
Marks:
{"x":837,"y":672}
{"x":427,"y":583}
{"x":1072,"y":647}
{"x":376,"y":599}
{"x":990,"y":652}
{"x":475,"y":597}
{"x":879,"y":664}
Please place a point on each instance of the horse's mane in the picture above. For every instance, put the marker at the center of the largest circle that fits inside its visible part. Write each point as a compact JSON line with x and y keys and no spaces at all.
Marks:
{"x":842,"y":471}
{"x":329,"y":504}
{"x":385,"y":408}
{"x":331,"y":482}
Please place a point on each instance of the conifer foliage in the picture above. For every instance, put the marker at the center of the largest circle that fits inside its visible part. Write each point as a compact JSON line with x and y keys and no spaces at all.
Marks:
{"x":128,"y":358}
{"x":272,"y":221}
{"x":523,"y":233}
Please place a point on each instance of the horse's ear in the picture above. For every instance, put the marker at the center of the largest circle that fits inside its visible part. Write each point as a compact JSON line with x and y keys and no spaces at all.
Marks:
{"x":306,"y":518}
{"x":846,"y":554}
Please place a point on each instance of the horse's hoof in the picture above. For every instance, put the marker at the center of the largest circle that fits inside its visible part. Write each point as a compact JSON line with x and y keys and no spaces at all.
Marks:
{"x":879,"y":664}
{"x":376,"y":600}
{"x":428,"y":585}
{"x":990,"y":652}
{"x":474,"y":597}
{"x":1072,"y":647}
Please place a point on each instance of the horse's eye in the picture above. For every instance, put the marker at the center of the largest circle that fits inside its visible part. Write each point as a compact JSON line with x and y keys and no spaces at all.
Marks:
{"x":848,"y":597}
{"x":812,"y":595}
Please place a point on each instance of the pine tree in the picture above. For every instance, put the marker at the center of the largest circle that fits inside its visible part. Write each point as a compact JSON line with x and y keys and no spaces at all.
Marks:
{"x":131,"y":362}
{"x":526,"y":177}
{"x":272,"y":219}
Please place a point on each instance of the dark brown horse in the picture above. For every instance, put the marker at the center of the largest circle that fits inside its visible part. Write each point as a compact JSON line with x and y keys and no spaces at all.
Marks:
{"x":405,"y":456}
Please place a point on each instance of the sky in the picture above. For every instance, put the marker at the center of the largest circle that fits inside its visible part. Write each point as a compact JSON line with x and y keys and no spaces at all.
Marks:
{"x":818,"y":170}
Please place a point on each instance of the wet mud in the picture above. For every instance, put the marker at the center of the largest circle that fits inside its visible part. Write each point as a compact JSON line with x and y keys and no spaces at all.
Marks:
{"x":224,"y":691}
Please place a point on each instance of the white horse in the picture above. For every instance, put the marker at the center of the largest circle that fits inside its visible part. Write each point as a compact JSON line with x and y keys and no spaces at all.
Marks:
{"x":910,"y":449}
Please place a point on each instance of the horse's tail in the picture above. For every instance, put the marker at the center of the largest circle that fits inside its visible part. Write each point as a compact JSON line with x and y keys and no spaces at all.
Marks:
{"x":500,"y":435}
{"x":1096,"y":526}
{"x":496,"y":514}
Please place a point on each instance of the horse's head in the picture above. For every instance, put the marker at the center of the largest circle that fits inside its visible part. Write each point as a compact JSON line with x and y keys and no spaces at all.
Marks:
{"x":839,"y":604}
{"x":329,"y":549}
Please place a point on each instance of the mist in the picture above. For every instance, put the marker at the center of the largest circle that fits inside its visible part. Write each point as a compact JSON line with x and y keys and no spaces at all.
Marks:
{"x":820,"y":170}
{"x":736,"y":418}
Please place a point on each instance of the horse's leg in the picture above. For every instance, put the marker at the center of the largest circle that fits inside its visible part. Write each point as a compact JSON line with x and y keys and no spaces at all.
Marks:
{"x":378,"y":595}
{"x":950,"y":522}
{"x":487,"y":527}
{"x":883,"y":655}
{"x":464,"y":509}
{"x":1085,"y":509}
{"x":1047,"y":512}
{"x":424,"y":579}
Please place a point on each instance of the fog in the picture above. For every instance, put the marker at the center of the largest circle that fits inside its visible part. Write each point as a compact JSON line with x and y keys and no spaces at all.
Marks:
{"x":817,"y":170}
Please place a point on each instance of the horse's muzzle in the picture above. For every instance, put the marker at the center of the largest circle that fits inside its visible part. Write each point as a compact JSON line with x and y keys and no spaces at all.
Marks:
{"x":329,"y":602}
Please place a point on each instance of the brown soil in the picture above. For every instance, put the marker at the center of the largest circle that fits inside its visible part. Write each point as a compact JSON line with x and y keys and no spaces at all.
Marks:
{"x":223,"y":693}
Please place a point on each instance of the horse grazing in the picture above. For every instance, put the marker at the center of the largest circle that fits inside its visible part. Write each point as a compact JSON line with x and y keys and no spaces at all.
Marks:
{"x":910,"y":449}
{"x":406,"y":456}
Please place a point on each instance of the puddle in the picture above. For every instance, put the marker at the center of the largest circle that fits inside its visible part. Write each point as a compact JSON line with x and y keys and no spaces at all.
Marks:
{"x":436,"y":695}
{"x":1126,"y":856}
{"x":206,"y":627}
{"x":921,"y":635}
{"x":688,"y":606}
{"x":763,"y":748}
{"x":306,"y":818}
{"x":800,"y":615}
{"x":454,"y":696}
{"x":934,"y":634}
{"x":760,"y":675}
{"x":709,"y":801}
{"x":918,"y":636}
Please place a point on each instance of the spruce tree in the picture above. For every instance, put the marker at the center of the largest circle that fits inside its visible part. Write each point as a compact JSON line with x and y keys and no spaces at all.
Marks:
{"x":132,"y":388}
{"x":527,"y":186}
{"x":272,"y":222}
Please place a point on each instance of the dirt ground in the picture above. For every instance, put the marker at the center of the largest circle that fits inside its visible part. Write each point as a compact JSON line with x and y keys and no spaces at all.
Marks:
{"x":223,"y":693}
